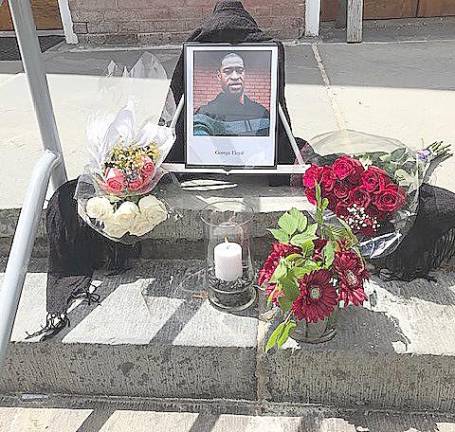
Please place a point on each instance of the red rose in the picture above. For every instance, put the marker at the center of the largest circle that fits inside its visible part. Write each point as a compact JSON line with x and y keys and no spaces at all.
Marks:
{"x":136,"y":184}
{"x":328,"y":179}
{"x":341,"y":190}
{"x":148,"y":167}
{"x":390,"y":199}
{"x":115,"y":180}
{"x":373,"y":212}
{"x":346,"y":167}
{"x":360,"y":197}
{"x":333,"y":200}
{"x":312,"y":176}
{"x":341,"y":209}
{"x":375,"y":179}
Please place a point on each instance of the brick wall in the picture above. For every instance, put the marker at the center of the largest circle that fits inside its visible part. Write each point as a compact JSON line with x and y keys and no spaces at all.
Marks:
{"x":257,"y":79}
{"x":171,"y":21}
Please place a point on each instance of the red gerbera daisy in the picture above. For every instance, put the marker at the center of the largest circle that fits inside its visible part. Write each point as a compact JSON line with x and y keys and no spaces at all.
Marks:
{"x":350,"y":295}
{"x":351,"y":273}
{"x":318,"y":297}
{"x":279,"y":250}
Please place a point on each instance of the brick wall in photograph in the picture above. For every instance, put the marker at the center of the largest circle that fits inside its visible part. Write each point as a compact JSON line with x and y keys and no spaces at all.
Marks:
{"x":206,"y":86}
{"x":101,"y":22}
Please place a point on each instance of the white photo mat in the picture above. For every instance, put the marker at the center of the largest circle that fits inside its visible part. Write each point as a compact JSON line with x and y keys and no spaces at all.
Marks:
{"x":231,"y":151}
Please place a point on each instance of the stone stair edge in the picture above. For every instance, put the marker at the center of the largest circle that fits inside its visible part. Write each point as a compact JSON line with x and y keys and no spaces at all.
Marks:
{"x":203,"y":406}
{"x":361,"y":358}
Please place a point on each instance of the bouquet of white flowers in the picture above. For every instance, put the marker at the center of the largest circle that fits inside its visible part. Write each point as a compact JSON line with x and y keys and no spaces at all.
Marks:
{"x":118,"y":194}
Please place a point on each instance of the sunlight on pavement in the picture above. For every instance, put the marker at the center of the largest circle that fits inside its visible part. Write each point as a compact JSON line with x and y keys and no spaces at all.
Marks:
{"x":41,"y":419}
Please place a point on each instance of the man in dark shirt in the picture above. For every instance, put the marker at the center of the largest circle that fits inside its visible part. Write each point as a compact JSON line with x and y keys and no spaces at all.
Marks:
{"x":232,"y":113}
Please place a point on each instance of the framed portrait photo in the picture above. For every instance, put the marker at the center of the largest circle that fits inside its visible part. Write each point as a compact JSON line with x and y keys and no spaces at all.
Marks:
{"x":231,"y":105}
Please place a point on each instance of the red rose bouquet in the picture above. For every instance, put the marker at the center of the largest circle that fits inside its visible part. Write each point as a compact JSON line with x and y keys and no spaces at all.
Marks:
{"x":311,"y":269}
{"x":370,"y":182}
{"x":364,"y":197}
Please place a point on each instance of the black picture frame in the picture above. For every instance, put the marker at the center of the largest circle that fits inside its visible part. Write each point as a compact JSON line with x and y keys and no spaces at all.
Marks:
{"x":272,"y":47}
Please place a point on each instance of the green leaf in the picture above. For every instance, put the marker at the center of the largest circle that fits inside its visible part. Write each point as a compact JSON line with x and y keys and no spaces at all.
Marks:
{"x":337,"y":233}
{"x":312,"y":229}
{"x":300,"y":262}
{"x":290,"y":287}
{"x":274,"y":337}
{"x":329,"y":253}
{"x":347,"y":228}
{"x":309,"y":235}
{"x":300,"y":239}
{"x":288,"y":223}
{"x":308,"y":248}
{"x":307,"y":267}
{"x":279,"y":272}
{"x":285,"y":304}
{"x":302,"y":220}
{"x":299,"y":272}
{"x":397,"y":154}
{"x":293,"y":257}
{"x":294,"y":212}
{"x":280,"y":235}
{"x":284,"y":336}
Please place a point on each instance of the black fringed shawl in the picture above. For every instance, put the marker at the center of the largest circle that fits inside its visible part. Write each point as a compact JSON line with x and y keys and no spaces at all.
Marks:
{"x":75,"y":252}
{"x":431,"y":240}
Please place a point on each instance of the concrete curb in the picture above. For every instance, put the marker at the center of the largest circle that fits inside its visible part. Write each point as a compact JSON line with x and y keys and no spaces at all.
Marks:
{"x":398,"y":353}
{"x":184,"y":225}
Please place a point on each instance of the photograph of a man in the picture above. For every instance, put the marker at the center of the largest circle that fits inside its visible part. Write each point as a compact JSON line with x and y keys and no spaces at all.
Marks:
{"x":232,"y":112}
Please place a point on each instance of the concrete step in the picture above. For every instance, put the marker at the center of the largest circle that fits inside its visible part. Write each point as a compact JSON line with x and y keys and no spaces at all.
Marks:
{"x":75,"y":414}
{"x":396,"y":353}
{"x":184,"y":228}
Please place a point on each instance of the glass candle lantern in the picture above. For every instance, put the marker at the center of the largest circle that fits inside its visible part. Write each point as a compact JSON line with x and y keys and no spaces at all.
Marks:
{"x":230,"y":273}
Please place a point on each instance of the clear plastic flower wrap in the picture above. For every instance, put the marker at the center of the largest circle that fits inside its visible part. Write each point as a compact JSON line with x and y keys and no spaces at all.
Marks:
{"x":371,"y":183}
{"x":126,"y":219}
{"x":121,"y":193}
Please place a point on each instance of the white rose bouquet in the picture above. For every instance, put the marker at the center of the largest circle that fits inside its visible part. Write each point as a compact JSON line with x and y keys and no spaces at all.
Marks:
{"x":120,"y":194}
{"x":120,"y":220}
{"x":117,"y":195}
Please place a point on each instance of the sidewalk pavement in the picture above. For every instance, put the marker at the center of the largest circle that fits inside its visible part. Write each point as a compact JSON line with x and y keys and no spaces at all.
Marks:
{"x":64,"y":414}
{"x":401,"y":89}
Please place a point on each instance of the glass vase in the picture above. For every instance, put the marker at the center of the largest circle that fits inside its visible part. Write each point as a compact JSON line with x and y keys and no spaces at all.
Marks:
{"x":319,"y":332}
{"x":229,"y":276}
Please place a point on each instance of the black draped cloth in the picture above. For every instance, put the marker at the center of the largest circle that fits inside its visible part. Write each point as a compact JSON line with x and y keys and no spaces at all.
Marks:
{"x":431,"y":240}
{"x":75,"y":252}
{"x":231,"y":23}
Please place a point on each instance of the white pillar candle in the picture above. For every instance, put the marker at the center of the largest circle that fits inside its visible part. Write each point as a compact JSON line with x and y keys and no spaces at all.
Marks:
{"x":228,"y":261}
